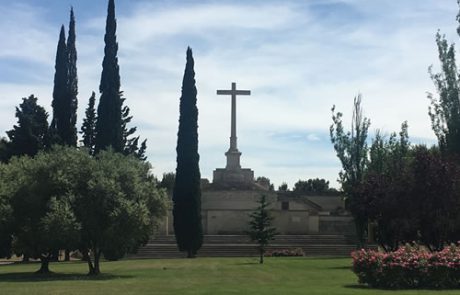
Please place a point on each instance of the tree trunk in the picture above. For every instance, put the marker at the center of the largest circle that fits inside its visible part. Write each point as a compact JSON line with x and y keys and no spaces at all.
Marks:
{"x":94,"y":268}
{"x":190,"y":254}
{"x":44,"y":267}
{"x":67,"y":255}
{"x":25,"y":258}
{"x":85,"y":255}
{"x":261,"y":258}
{"x":97,"y":256}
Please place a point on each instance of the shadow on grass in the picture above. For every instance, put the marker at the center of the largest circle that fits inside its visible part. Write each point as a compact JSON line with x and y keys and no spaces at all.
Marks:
{"x":34,"y":277}
{"x":359,"y":286}
{"x":341,"y":267}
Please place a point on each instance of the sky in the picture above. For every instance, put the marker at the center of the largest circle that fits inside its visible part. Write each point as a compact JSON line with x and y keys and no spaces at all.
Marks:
{"x":299,"y":58}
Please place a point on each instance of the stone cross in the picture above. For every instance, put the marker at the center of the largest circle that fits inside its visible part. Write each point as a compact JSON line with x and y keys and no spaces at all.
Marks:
{"x":233,"y":155}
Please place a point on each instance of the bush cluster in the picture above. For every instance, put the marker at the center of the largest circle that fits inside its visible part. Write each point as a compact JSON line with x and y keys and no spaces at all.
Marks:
{"x":285,"y":252}
{"x":408,"y":267}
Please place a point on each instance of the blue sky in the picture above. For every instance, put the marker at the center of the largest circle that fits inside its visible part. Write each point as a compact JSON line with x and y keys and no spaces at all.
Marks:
{"x":298,"y":57}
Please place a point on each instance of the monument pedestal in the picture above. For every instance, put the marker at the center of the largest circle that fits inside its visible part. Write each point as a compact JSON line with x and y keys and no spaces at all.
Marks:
{"x":233,"y":177}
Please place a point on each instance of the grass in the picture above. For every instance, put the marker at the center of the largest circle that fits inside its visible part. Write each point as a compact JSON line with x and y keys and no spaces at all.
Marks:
{"x":296,"y":275}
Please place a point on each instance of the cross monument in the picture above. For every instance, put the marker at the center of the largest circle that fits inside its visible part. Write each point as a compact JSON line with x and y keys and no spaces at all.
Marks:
{"x":233,"y":155}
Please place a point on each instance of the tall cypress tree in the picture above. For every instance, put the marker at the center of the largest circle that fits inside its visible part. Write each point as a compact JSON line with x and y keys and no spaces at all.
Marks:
{"x":187,"y":191}
{"x":71,"y":134}
{"x":60,"y":91}
{"x":89,"y":125}
{"x":109,"y":116}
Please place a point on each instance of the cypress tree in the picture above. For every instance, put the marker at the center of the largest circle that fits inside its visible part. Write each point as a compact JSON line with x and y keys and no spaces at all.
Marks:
{"x":187,"y":191}
{"x":109,"y":112}
{"x":60,"y":92}
{"x":71,"y":134}
{"x":89,"y":125}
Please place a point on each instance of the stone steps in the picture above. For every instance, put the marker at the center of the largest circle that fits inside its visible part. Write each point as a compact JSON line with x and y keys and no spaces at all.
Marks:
{"x":241,"y":246}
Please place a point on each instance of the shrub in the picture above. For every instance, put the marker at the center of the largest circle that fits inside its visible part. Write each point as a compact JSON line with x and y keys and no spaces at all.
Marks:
{"x":408,"y":267}
{"x":285,"y":252}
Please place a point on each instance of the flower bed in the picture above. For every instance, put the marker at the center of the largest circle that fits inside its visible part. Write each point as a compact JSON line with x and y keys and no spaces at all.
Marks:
{"x":285,"y":252}
{"x":408,"y":267}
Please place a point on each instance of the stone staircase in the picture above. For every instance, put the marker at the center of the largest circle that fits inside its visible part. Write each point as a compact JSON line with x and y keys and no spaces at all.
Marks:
{"x":241,"y":246}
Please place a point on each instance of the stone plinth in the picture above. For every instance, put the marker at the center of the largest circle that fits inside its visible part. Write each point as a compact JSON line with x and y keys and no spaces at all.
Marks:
{"x":233,"y":177}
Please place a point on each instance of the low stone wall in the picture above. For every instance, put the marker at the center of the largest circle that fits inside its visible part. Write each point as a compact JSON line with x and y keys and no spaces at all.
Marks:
{"x":336,"y":225}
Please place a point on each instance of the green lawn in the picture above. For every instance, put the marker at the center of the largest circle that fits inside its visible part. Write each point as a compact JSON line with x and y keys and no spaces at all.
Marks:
{"x":195,"y":276}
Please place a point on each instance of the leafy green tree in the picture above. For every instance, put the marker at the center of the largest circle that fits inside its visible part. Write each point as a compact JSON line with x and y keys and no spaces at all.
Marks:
{"x":283,"y":187}
{"x":109,"y":112}
{"x":433,"y":196}
{"x":445,"y":108}
{"x":88,"y":128}
{"x":30,"y":135}
{"x":118,"y":206}
{"x":261,"y":229}
{"x":314,"y":186}
{"x":38,"y":190}
{"x":352,"y":149}
{"x":187,"y":190}
{"x":6,"y":219}
{"x":386,"y":190}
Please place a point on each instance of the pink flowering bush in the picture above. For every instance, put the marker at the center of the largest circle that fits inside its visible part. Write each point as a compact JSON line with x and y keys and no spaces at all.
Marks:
{"x":408,"y":267}
{"x":285,"y":252}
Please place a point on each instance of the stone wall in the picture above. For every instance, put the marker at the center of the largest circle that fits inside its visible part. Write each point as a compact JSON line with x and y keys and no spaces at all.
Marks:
{"x":227,"y":212}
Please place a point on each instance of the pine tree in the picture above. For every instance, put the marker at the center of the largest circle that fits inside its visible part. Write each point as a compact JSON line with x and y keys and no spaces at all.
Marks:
{"x":30,"y":135}
{"x":89,"y":125}
{"x":71,"y":136}
{"x":109,"y":112}
{"x":187,"y":191}
{"x":60,"y":92}
{"x":261,"y":229}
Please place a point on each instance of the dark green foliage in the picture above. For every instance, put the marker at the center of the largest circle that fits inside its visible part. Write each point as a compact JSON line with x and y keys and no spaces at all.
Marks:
{"x":88,"y":128}
{"x":265,"y":182}
{"x":71,"y":134}
{"x":118,"y":207}
{"x":283,"y":187}
{"x":351,"y":149}
{"x":433,"y":197}
{"x":385,"y":192}
{"x":109,"y":130}
{"x":38,"y":191}
{"x":112,"y":116}
{"x":62,"y":129}
{"x":6,"y":219}
{"x":131,"y":144}
{"x":4,"y":150}
{"x":63,"y":125}
{"x":261,"y":229}
{"x":410,"y":193}
{"x":314,"y":186}
{"x":187,"y":191}
{"x":30,"y":135}
{"x":108,"y":204}
{"x":445,"y":109}
{"x":167,"y":182}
